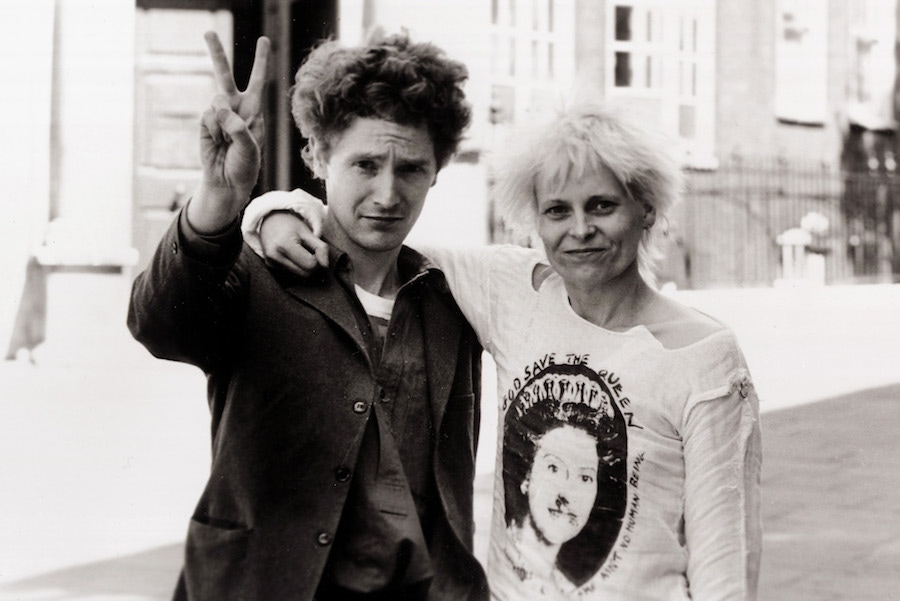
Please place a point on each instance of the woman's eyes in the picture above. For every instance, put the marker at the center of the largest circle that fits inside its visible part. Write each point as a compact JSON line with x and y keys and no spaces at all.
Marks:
{"x":598,"y":206}
{"x":602,"y":205}
{"x":557,"y":211}
{"x":368,"y":166}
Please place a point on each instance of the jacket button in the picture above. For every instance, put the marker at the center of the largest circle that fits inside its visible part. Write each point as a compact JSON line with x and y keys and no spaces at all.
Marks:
{"x":359,"y":407}
{"x":174,"y":248}
{"x":342,"y":474}
{"x":324,"y":539}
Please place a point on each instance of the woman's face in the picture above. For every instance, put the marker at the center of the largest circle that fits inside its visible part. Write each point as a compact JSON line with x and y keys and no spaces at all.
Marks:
{"x":591,"y":228}
{"x":562,"y":484}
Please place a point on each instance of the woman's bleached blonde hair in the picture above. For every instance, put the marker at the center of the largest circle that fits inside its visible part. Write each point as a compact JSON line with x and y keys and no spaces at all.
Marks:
{"x":577,"y":142}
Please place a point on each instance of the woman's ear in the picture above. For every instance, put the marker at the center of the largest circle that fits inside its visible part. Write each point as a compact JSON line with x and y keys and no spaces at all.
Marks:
{"x":649,"y":216}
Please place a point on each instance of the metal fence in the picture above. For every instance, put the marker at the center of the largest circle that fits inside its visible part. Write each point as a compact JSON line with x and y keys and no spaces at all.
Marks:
{"x":754,"y":221}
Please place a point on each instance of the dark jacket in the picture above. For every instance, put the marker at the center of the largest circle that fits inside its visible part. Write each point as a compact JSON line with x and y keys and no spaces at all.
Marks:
{"x":289,"y":386}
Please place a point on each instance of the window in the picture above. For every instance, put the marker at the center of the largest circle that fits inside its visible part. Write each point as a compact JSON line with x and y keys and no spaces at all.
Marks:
{"x":661,"y":56}
{"x":873,"y":68}
{"x":532,"y":53}
{"x":801,"y":61}
{"x":638,"y":39}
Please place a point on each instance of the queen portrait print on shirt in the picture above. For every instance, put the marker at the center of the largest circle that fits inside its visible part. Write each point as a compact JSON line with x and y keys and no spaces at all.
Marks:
{"x":565,"y":452}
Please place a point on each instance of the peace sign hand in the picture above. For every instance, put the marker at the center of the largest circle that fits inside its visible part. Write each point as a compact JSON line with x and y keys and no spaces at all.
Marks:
{"x":232,"y":132}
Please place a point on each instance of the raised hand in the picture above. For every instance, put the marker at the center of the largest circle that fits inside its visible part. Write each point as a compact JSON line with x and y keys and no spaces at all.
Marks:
{"x":232,"y":132}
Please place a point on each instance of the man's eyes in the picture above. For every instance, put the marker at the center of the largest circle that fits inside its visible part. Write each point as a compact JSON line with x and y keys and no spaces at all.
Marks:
{"x":365,"y":166}
{"x":372,"y":167}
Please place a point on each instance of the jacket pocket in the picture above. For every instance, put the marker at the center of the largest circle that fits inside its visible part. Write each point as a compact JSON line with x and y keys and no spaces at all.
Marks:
{"x":215,"y":560}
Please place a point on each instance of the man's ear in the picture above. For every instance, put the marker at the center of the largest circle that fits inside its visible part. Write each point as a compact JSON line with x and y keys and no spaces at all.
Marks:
{"x":319,"y":160}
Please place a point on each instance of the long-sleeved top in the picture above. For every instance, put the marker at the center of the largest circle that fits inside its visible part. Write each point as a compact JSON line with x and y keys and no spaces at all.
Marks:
{"x":641,"y":477}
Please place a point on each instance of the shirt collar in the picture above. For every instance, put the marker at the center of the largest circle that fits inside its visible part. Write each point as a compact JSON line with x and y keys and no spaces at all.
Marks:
{"x":414,"y":267}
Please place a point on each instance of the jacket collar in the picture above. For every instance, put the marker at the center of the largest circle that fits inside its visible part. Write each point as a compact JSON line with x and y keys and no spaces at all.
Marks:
{"x":330,"y":292}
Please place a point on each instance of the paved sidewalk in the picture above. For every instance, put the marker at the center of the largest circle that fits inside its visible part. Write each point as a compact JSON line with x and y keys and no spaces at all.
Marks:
{"x":831,"y":508}
{"x":831,"y":499}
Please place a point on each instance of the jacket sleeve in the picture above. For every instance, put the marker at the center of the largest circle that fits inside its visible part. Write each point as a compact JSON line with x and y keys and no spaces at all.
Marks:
{"x":185,"y":305}
{"x":722,"y":458}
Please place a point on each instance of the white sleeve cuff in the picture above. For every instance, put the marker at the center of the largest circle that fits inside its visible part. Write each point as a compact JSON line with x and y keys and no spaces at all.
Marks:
{"x":298,"y":201}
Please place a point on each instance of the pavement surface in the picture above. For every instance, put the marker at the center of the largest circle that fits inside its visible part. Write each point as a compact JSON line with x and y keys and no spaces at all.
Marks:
{"x":104,"y":450}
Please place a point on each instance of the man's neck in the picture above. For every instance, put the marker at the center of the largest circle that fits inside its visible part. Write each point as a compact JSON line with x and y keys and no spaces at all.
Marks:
{"x":376,"y":273}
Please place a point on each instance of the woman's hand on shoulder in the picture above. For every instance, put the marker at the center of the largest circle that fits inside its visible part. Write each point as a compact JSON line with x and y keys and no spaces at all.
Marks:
{"x":284,"y":229}
{"x":288,"y":242}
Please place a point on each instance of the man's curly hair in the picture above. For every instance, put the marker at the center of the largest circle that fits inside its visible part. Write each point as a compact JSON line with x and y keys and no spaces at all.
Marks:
{"x":390,"y":78}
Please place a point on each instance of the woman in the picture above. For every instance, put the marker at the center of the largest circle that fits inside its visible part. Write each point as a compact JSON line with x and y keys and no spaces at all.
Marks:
{"x":595,"y":188}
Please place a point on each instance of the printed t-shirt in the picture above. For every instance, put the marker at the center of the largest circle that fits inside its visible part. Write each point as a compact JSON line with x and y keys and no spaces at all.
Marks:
{"x":624,"y":470}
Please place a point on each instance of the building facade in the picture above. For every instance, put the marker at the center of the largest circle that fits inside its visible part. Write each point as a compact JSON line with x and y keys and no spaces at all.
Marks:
{"x":110,"y":119}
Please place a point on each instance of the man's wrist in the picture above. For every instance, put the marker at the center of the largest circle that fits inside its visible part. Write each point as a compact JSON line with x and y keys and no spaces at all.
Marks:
{"x":212,"y":211}
{"x":214,"y":249}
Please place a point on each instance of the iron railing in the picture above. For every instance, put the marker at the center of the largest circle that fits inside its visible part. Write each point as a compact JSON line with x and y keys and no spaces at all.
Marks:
{"x":735,"y":221}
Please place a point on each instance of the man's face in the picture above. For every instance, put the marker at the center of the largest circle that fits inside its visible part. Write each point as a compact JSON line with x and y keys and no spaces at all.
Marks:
{"x":377,"y":174}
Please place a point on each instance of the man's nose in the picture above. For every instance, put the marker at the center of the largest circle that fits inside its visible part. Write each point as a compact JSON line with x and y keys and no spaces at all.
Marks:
{"x":385,"y":192}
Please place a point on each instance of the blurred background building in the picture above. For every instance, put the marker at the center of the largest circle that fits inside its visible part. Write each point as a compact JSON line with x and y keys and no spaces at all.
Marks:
{"x":783,"y":113}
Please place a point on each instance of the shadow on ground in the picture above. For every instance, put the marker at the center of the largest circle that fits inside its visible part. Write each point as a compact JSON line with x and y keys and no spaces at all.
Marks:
{"x":149,"y":575}
{"x":831,"y":475}
{"x":831,"y":472}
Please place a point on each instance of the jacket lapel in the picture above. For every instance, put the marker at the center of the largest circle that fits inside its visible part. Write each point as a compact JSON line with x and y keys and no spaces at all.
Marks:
{"x":327,"y":296}
{"x":441,"y":328}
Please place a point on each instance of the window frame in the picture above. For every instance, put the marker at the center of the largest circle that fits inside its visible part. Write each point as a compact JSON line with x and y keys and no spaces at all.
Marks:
{"x":672,"y":48}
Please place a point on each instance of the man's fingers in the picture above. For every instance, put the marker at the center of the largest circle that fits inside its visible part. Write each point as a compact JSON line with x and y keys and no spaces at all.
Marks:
{"x":221,"y":67}
{"x":257,"y":81}
{"x":209,"y":122}
{"x":236,"y":128}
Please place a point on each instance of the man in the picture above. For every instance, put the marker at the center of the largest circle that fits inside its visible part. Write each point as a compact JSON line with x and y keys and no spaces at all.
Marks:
{"x":344,"y":407}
